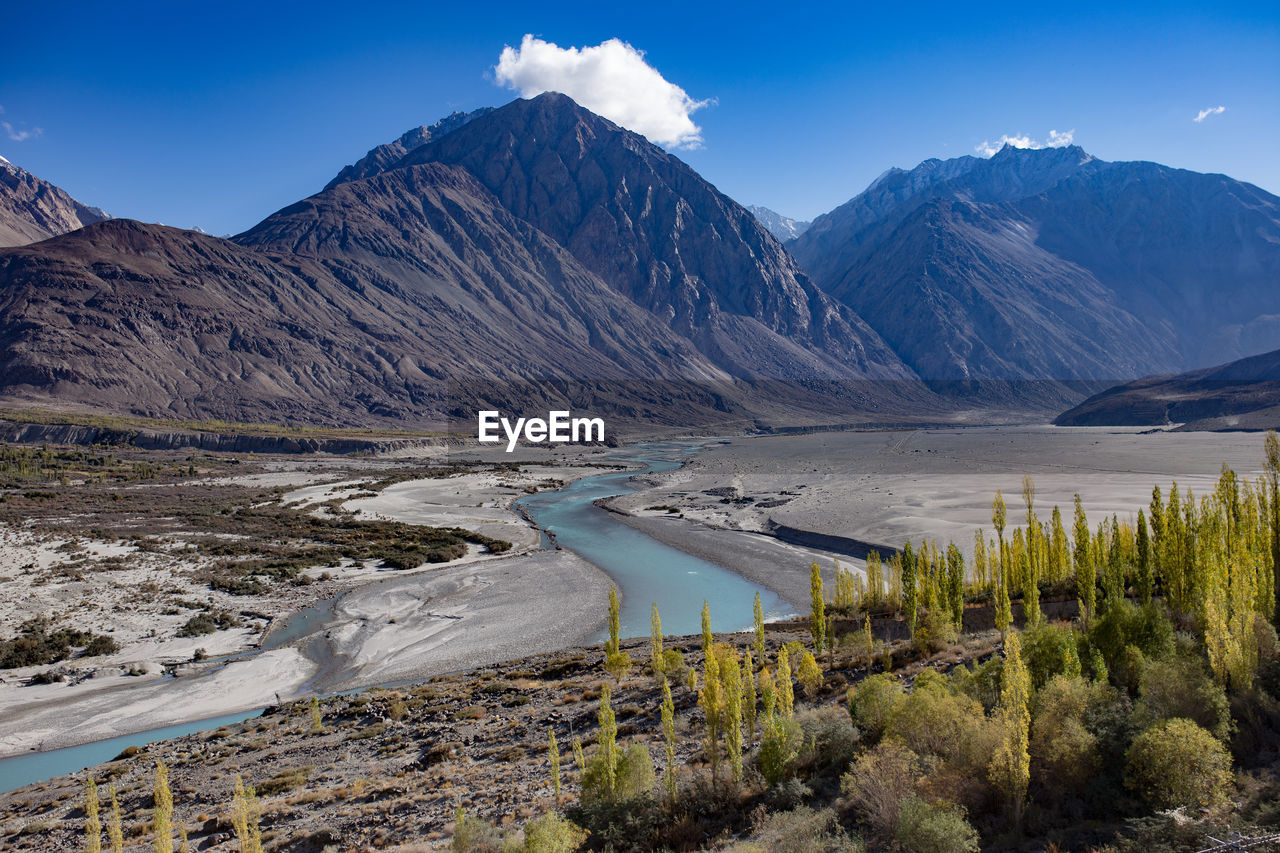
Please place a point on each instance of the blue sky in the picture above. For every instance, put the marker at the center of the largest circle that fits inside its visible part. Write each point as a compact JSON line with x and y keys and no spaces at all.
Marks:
{"x":215,"y":115}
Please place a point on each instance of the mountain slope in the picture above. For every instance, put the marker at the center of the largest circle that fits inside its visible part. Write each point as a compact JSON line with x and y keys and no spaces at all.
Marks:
{"x":655,"y":231}
{"x":383,"y":157}
{"x":1242,"y":394}
{"x":32,"y":209}
{"x":417,"y":295}
{"x":356,"y":325}
{"x":1051,"y":264}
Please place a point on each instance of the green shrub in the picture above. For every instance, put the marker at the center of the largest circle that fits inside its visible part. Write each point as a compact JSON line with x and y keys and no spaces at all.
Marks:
{"x":779,"y":747}
{"x":38,"y":644}
{"x":872,"y":703}
{"x":1181,"y":686}
{"x":830,"y":741}
{"x":101,"y":645}
{"x":634,"y":775}
{"x":1049,"y":650}
{"x":285,"y":780}
{"x":934,"y":632}
{"x":931,"y":720}
{"x":207,"y":623}
{"x":879,"y":782}
{"x":1064,"y":753}
{"x":927,"y":828}
{"x":983,"y":682}
{"x":1177,"y":763}
{"x":474,"y":835}
{"x":803,"y":830}
{"x":1124,"y":624}
{"x":552,"y":833}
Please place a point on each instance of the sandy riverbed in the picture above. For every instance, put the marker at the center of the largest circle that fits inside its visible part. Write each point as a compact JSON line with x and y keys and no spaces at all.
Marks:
{"x":392,"y":625}
{"x":886,"y":487}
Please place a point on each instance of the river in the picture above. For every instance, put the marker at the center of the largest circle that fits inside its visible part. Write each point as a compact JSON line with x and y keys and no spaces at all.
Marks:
{"x":645,"y":571}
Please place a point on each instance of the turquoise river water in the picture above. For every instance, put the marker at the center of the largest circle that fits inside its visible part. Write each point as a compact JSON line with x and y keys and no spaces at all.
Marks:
{"x":644,"y":569}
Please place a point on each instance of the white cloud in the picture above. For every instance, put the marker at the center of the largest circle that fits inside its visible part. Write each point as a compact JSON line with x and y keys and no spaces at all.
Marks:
{"x":1057,"y":139}
{"x":611,"y":79}
{"x":1212,"y":111}
{"x":20,"y":134}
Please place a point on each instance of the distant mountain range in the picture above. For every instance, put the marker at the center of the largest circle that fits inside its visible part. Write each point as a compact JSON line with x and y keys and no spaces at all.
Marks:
{"x":539,"y":252}
{"x":1056,"y":265}
{"x":32,"y":209}
{"x":783,"y":227}
{"x":504,"y":259}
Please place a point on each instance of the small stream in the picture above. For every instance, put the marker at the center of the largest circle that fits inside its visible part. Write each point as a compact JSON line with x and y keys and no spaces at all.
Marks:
{"x":645,"y":570}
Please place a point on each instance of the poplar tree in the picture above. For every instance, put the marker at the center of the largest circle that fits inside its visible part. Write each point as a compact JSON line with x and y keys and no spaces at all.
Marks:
{"x":1271,"y":446}
{"x":616,"y":661}
{"x":657,"y":659}
{"x":875,"y":578}
{"x":706,"y":628}
{"x":317,"y":721}
{"x":1113,"y":579}
{"x":786,"y":695}
{"x":758,"y":624}
{"x":608,"y":741}
{"x":162,"y":821}
{"x":817,"y":609}
{"x":846,"y":588}
{"x":749,"y":694}
{"x":1086,"y":576}
{"x":92,"y":823}
{"x":115,"y":832}
{"x":910,"y":587}
{"x":1010,"y":767}
{"x":1000,"y":514}
{"x":731,"y":691}
{"x":1059,"y":556}
{"x":1155,"y":518}
{"x":669,"y":738}
{"x":955,"y":585}
{"x":981,"y":577}
{"x":1146,"y":577}
{"x":1003,"y":610}
{"x":712,"y":703}
{"x":553,"y":753}
{"x":1029,"y":498}
{"x":244,"y":817}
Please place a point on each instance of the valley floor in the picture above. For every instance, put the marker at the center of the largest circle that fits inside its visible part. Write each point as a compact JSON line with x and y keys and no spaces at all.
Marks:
{"x":337,"y":626}
{"x":765,"y":507}
{"x":855,"y":490}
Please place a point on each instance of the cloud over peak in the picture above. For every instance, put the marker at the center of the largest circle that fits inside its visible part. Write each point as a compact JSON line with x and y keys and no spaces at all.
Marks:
{"x":1056,"y":139}
{"x":611,"y":79}
{"x":1211,"y":111}
{"x":19,"y":134}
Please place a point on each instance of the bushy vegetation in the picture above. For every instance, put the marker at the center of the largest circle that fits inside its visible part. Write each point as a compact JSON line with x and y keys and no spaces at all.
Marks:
{"x":38,"y":643}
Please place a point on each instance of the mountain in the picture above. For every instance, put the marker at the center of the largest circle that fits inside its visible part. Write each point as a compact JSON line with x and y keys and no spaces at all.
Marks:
{"x":32,"y":209}
{"x":658,"y":233}
{"x":782,"y":227}
{"x":1051,"y":264}
{"x":1242,"y":394}
{"x":532,"y":254}
{"x":383,"y":157}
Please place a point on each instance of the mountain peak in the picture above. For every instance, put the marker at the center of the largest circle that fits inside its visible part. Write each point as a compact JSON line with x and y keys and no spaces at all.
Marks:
{"x":384,"y":157}
{"x":1056,"y":153}
{"x":32,"y":209}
